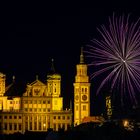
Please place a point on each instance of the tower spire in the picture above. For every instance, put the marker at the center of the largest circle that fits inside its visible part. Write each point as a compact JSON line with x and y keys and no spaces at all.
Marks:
{"x":70,"y":105}
{"x":52,"y":66}
{"x":36,"y":77}
{"x":13,"y":78}
{"x":81,"y":56}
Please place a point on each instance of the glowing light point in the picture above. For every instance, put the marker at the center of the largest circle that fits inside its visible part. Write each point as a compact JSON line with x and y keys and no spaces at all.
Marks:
{"x":124,"y":61}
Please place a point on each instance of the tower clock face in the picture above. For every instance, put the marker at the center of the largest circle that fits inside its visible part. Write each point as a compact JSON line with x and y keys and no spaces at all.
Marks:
{"x":76,"y":97}
{"x":84,"y":97}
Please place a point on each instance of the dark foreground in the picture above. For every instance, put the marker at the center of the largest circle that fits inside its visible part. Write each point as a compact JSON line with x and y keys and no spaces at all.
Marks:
{"x":89,"y":131}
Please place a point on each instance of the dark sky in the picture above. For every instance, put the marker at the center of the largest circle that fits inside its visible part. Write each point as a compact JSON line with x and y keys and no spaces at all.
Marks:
{"x":32,"y":35}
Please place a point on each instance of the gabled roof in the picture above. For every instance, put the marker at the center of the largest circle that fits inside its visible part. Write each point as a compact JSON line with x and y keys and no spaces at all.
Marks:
{"x":37,"y":83}
{"x":14,"y":89}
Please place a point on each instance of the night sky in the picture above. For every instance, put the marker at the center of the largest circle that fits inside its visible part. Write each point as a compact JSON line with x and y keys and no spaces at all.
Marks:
{"x":30,"y":37}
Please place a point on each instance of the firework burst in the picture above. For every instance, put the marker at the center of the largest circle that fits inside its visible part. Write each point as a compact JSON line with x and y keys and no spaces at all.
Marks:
{"x":117,"y":56}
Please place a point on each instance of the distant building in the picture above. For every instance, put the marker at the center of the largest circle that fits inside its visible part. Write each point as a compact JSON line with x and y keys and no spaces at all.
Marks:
{"x":40,"y":107}
{"x":95,"y":119}
{"x":108,"y":107}
{"x":81,"y":92}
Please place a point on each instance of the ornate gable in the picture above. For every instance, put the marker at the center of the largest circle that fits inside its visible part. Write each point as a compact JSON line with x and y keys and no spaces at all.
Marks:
{"x":37,"y":83}
{"x":36,"y":88}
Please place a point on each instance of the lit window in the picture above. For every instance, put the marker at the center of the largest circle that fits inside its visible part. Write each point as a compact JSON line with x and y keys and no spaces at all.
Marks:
{"x":77,"y":89}
{"x":11,"y":108}
{"x":26,"y":102}
{"x":30,"y":102}
{"x":63,"y":117}
{"x":84,"y":107}
{"x":15,"y":126}
{"x":5,"y":126}
{"x":26,"y":118}
{"x":63,"y":126}
{"x":85,"y":89}
{"x":19,"y":126}
{"x":59,"y":125}
{"x":54,"y":126}
{"x":30,"y":125}
{"x":35,"y":102}
{"x":35,"y":117}
{"x":30,"y":117}
{"x":39,"y":102}
{"x":82,"y":89}
{"x":10,"y":126}
{"x":44,"y":102}
{"x":35,"y":125}
{"x":44,"y":110}
{"x":39,"y":126}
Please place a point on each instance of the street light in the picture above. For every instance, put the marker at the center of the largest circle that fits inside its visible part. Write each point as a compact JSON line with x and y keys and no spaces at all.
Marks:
{"x":44,"y":126}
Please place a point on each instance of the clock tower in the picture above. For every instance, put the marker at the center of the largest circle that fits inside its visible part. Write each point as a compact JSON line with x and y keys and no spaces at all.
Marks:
{"x":81,"y":92}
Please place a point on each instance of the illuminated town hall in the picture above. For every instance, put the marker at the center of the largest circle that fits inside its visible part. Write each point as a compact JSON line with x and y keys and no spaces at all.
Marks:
{"x":41,"y":106}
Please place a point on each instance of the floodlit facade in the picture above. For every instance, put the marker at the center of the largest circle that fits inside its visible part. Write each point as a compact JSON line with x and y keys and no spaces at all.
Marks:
{"x":81,"y":92}
{"x":40,"y":107}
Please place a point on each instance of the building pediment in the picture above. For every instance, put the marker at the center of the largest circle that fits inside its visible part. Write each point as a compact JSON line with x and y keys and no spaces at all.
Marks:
{"x":37,"y":83}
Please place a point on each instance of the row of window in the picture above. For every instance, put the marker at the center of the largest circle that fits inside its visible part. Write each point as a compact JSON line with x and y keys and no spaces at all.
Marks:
{"x":61,"y":117}
{"x":14,"y":102}
{"x":30,"y":126}
{"x":83,"y":107}
{"x":35,"y":126}
{"x":37,"y":102}
{"x":37,"y":110}
{"x":35,"y":118}
{"x":12,"y":126}
{"x":11,"y":117}
{"x":83,"y":90}
{"x":59,"y":125}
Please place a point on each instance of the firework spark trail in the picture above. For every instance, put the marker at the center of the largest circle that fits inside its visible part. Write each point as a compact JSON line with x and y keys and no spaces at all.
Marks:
{"x":117,"y":55}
